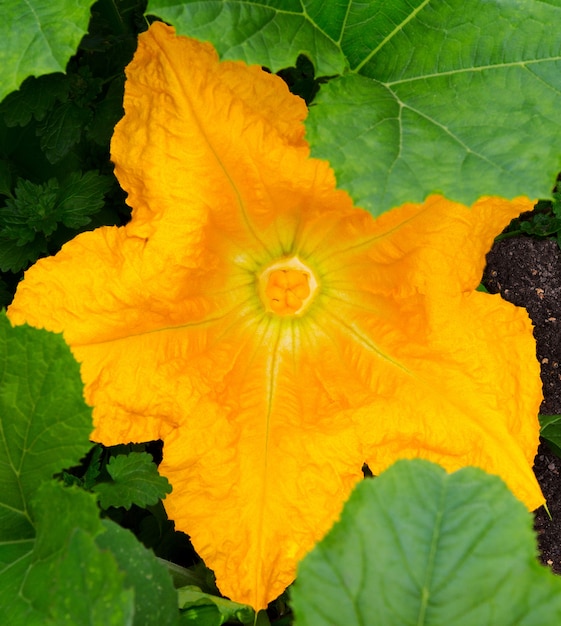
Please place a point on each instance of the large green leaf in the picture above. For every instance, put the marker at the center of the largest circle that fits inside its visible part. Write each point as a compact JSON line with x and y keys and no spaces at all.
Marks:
{"x":417,"y":546}
{"x":60,"y":565}
{"x":429,"y":95}
{"x":80,"y":570}
{"x":268,"y":32}
{"x":155,"y":596}
{"x":38,"y":37}
{"x":70,"y":580}
{"x":44,"y":421}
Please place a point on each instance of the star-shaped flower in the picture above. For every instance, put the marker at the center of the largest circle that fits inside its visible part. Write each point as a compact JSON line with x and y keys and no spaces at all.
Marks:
{"x":273,"y":335}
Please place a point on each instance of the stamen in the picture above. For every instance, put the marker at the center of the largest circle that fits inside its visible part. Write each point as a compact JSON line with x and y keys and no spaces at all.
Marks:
{"x":287,"y":287}
{"x":286,"y":290}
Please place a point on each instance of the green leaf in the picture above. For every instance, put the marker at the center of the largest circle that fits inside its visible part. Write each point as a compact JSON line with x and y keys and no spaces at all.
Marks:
{"x":60,"y":565}
{"x":32,"y":210}
{"x":417,"y":546}
{"x":38,"y":37}
{"x":5,"y":178}
{"x":14,"y":257}
{"x":62,"y":578}
{"x":44,"y":421}
{"x":61,"y":130}
{"x":35,"y":212}
{"x":71,"y":581}
{"x":549,"y":420}
{"x":446,"y":96}
{"x":33,"y":99}
{"x":202,"y":615}
{"x":209,"y":610}
{"x":81,"y":196}
{"x":107,"y":113}
{"x":6,"y":294}
{"x":91,"y":472}
{"x":471,"y":108}
{"x":551,"y":431}
{"x":135,"y":481}
{"x":195,"y":576}
{"x":270,"y":32}
{"x":155,"y":595}
{"x":81,"y":570}
{"x":13,"y":568}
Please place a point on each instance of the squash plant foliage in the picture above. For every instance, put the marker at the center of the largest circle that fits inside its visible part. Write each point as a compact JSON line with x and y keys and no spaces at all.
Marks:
{"x":415,"y":101}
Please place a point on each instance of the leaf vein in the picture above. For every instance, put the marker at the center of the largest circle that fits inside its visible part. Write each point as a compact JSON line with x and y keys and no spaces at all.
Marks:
{"x":388,"y":37}
{"x":467,"y":70}
{"x":448,"y":132}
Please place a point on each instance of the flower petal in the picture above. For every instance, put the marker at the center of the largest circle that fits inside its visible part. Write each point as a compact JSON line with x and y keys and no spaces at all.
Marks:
{"x":453,"y":372}
{"x":273,"y":479}
{"x":199,"y":142}
{"x":267,"y":419}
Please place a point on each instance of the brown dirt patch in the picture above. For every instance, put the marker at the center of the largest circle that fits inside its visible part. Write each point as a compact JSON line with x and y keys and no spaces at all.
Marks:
{"x":527,"y":272}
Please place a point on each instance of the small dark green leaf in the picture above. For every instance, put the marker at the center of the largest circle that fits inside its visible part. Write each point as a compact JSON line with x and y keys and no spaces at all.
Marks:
{"x":556,"y":202}
{"x":6,"y":178}
{"x":107,"y":113}
{"x":80,"y":196}
{"x":5,"y":292}
{"x":34,"y":99}
{"x":541,"y":225}
{"x":551,"y":431}
{"x":135,"y":481}
{"x":14,"y":257}
{"x":87,"y":473}
{"x":35,"y":212}
{"x":92,"y":472}
{"x":549,"y":420}
{"x":33,"y":209}
{"x":26,"y":219}
{"x":61,"y":130}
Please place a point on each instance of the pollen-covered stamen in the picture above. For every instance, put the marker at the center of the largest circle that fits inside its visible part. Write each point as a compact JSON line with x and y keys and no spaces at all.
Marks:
{"x":287,"y":287}
{"x":286,"y":290}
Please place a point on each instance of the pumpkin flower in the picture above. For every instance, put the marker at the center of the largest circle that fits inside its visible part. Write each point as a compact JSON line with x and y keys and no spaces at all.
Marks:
{"x":274,"y":336}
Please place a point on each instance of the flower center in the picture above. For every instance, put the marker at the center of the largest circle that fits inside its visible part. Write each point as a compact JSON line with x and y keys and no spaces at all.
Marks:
{"x":287,"y":287}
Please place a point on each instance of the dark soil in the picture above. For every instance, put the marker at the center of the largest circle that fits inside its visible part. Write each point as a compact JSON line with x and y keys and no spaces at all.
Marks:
{"x":527,"y":272}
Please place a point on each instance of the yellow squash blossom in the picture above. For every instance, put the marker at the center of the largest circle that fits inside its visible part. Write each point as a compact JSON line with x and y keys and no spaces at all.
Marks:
{"x":273,"y":335}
